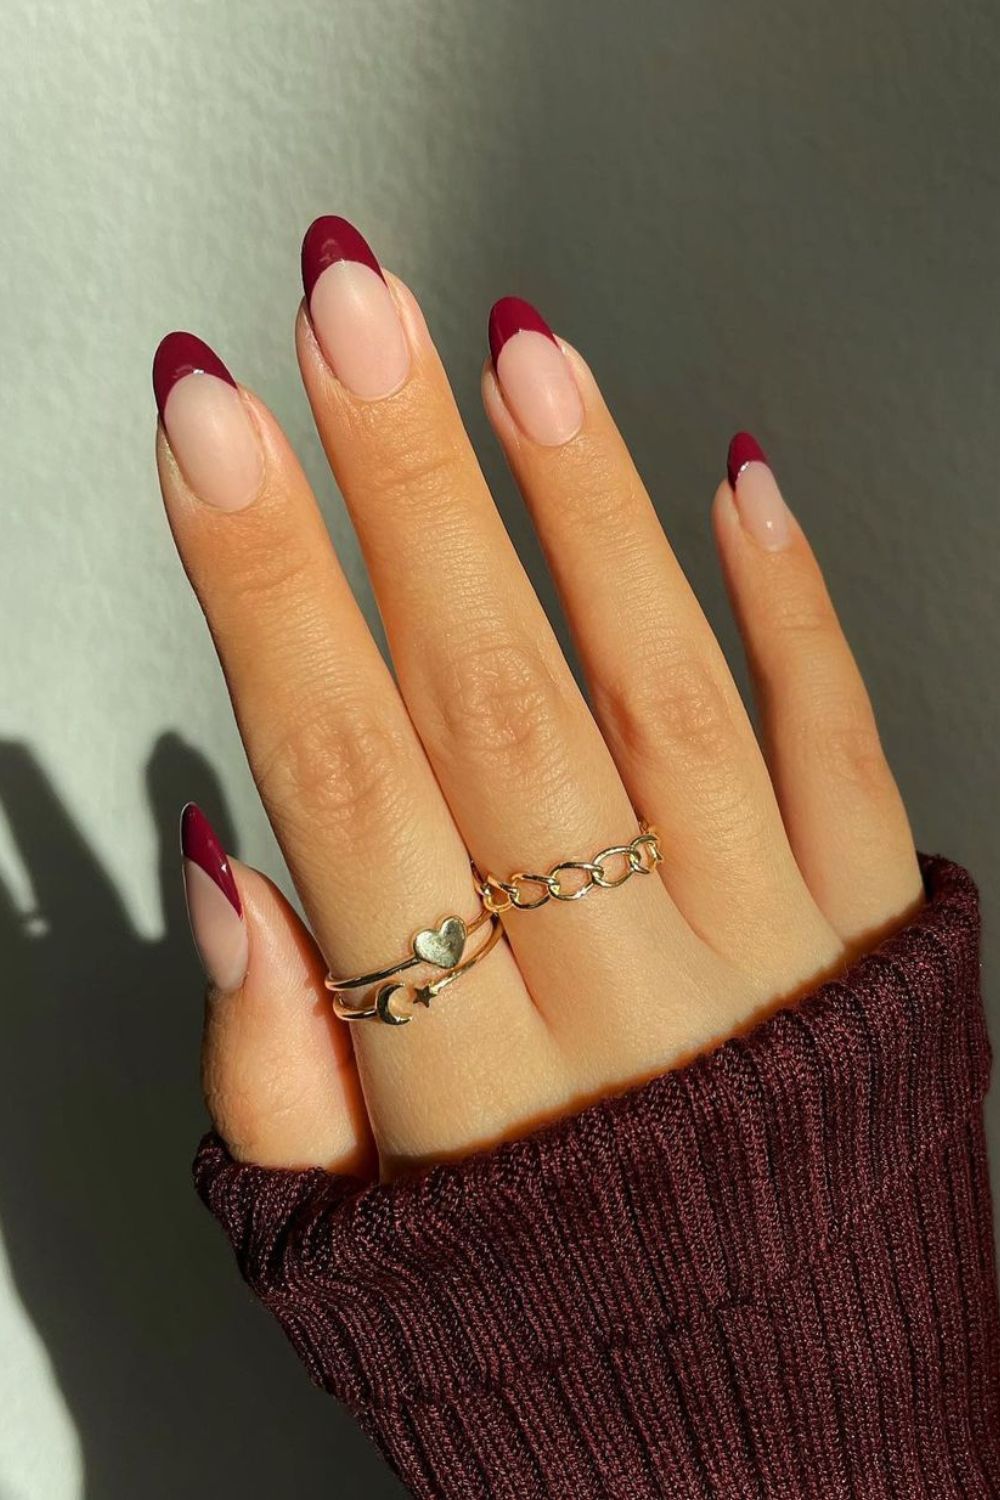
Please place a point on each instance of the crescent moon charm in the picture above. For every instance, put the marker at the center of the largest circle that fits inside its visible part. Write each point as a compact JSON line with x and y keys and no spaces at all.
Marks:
{"x":383,"y":1005}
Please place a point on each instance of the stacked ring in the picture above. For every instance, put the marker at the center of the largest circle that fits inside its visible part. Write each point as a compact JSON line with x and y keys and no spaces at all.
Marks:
{"x":444,"y":946}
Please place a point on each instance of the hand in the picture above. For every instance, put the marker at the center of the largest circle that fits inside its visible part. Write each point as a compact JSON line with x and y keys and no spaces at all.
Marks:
{"x":781,"y":860}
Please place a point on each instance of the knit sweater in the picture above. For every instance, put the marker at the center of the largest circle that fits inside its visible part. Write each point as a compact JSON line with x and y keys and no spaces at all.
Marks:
{"x":769,"y":1273}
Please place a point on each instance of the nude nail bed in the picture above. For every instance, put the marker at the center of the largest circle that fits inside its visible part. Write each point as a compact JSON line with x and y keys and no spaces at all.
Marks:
{"x":762,"y":511}
{"x":353,"y":312}
{"x":215,"y":909}
{"x":208,"y":426}
{"x":535,"y":378}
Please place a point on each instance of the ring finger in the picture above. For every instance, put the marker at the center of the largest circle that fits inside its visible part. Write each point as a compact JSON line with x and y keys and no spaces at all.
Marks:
{"x":674,"y":719}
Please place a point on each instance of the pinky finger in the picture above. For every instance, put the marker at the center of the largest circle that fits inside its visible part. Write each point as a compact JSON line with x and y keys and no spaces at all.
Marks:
{"x":277,"y":1066}
{"x":842,"y":810}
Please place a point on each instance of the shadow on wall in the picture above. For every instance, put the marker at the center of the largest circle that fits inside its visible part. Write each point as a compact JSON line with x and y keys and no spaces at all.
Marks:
{"x":177,"y":1382}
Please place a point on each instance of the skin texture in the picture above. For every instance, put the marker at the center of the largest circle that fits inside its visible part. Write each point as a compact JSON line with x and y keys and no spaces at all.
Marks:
{"x":782,"y":859}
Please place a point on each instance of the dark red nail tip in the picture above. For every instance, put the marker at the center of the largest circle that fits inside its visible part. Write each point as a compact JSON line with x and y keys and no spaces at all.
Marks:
{"x":328,"y":240}
{"x":181,"y":354}
{"x":200,"y":843}
{"x":743,"y":449}
{"x":513,"y":315}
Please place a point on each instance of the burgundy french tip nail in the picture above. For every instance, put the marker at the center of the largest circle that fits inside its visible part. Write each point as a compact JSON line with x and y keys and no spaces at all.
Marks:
{"x":743,"y":449}
{"x":329,"y":239}
{"x":181,"y":354}
{"x":513,"y":315}
{"x":200,"y":843}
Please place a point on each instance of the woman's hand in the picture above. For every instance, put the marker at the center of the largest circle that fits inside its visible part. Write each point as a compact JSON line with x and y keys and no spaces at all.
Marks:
{"x":780,"y":860}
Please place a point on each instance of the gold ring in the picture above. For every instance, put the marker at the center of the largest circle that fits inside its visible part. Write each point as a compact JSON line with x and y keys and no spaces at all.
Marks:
{"x":442,"y":946}
{"x":527,"y":891}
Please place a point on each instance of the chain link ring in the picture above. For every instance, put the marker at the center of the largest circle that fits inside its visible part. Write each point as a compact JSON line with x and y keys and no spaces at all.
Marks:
{"x":641,"y":857}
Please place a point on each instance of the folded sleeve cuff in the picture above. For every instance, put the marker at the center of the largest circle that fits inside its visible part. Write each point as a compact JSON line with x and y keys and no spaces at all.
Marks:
{"x":715,"y":1191}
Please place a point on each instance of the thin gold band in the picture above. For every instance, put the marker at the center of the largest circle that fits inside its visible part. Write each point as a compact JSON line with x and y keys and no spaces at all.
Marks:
{"x":441,"y":945}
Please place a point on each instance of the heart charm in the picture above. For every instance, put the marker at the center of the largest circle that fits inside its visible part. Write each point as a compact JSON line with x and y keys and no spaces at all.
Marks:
{"x":441,"y":946}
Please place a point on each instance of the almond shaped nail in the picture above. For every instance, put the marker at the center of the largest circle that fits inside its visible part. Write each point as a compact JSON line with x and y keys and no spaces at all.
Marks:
{"x":353,"y":312}
{"x":535,"y":378}
{"x":760,"y":506}
{"x":214,"y":906}
{"x":207,"y":424}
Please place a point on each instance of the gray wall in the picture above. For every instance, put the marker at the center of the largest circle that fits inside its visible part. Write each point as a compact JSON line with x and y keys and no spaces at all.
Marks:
{"x":752,"y":213}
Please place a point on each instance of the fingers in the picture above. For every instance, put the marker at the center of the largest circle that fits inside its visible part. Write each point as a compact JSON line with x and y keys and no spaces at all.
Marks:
{"x":378,"y":793}
{"x":524,"y":769}
{"x":845,"y":818}
{"x":661,"y":688}
{"x":279,"y":1073}
{"x":369,"y":840}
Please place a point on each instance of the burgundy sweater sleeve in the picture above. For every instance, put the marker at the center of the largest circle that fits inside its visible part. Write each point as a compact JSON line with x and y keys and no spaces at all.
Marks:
{"x":769,"y":1273}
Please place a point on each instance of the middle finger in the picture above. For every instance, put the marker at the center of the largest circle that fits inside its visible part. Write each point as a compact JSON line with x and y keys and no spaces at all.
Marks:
{"x":522,"y":764}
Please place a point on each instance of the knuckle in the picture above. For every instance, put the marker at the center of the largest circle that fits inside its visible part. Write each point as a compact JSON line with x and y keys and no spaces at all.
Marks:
{"x":420,"y":468}
{"x":340,"y":764}
{"x":668,"y":708}
{"x":597,"y":494}
{"x":805,"y":616}
{"x":499,"y":700}
{"x":848,"y":747}
{"x":270,"y":563}
{"x":733,"y":814}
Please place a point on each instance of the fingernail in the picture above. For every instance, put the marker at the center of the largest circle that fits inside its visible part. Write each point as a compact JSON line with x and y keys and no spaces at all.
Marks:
{"x":213,"y":902}
{"x":352,"y":310}
{"x":208,"y":426}
{"x":762,"y":511}
{"x":534,"y":374}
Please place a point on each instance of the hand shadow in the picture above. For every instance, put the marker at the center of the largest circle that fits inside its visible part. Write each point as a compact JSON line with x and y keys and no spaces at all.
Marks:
{"x":178,"y":1384}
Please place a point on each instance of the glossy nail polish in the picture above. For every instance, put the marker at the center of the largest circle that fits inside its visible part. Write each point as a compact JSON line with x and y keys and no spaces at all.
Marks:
{"x":762,"y":511}
{"x":213,"y":901}
{"x":353,"y":312}
{"x":535,"y":378}
{"x":510,"y":316}
{"x":179,"y":355}
{"x":209,"y":429}
{"x":743,"y":449}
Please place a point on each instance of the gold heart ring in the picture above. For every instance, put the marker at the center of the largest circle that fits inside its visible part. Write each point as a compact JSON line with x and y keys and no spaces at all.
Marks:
{"x":394,"y":1003}
{"x":442,"y":946}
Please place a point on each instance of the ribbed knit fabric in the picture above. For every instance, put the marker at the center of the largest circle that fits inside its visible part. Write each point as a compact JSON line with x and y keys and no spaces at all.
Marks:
{"x":768,"y":1273}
